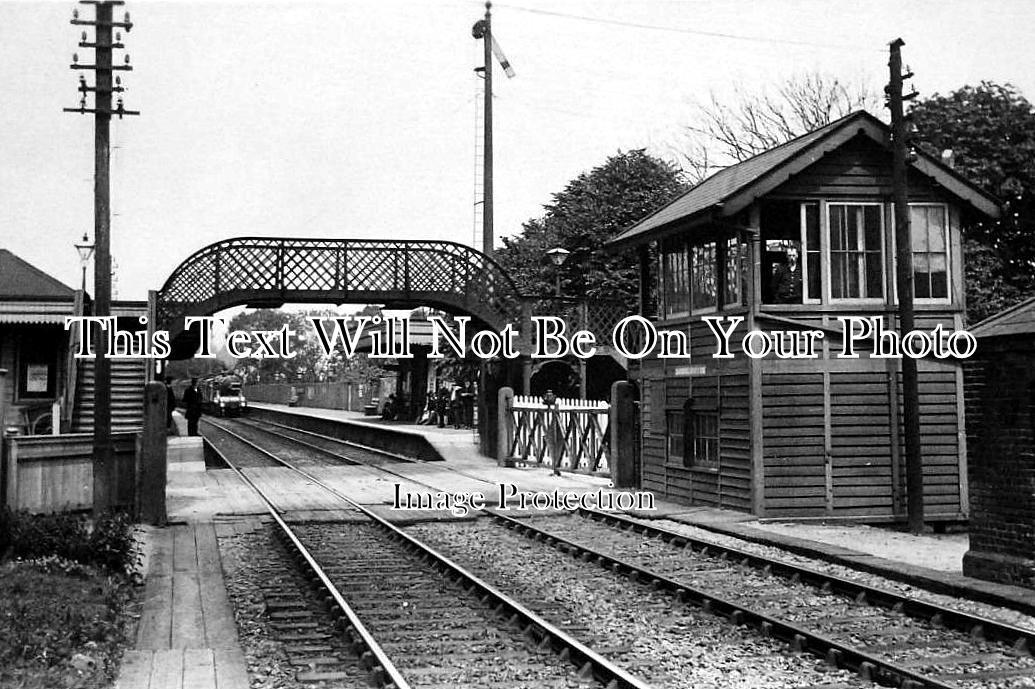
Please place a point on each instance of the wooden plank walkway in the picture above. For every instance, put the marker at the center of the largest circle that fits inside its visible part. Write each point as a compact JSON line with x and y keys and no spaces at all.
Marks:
{"x":187,"y":638}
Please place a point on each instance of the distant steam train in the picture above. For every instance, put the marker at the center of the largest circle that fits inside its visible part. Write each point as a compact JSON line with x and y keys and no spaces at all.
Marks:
{"x":221,"y":394}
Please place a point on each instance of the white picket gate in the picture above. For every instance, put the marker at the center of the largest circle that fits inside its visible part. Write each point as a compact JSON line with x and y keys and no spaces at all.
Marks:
{"x":578,"y":429}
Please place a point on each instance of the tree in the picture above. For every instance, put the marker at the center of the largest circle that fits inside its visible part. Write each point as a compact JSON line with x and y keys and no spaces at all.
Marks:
{"x":308,"y":361}
{"x":990,"y":130}
{"x":183,"y":369}
{"x":357,"y":368}
{"x":590,"y":210}
{"x":750,"y":123}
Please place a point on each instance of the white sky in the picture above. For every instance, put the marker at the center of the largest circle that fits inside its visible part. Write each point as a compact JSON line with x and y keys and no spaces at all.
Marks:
{"x":358,"y":119}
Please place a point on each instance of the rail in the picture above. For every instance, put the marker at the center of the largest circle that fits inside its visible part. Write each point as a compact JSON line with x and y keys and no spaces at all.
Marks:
{"x":869,"y":667}
{"x":588,"y":661}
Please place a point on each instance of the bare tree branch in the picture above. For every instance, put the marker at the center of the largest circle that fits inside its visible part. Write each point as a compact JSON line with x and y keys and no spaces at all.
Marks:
{"x":724,"y":132}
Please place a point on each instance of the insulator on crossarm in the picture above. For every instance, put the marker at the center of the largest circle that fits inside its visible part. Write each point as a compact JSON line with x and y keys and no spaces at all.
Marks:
{"x":75,"y":58}
{"x":127,"y":58}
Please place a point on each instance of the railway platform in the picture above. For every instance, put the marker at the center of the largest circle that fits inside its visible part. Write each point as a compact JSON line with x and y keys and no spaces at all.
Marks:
{"x":929,"y":560}
{"x":187,"y":635}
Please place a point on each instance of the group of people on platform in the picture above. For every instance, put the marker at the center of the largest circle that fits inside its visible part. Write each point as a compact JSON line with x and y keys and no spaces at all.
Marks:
{"x":191,"y":406}
{"x":443,"y":407}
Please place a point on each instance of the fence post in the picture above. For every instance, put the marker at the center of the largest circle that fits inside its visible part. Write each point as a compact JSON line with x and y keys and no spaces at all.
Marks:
{"x":487,"y":412}
{"x":623,"y":434}
{"x":505,"y":435}
{"x":152,"y":460}
{"x":8,"y":469}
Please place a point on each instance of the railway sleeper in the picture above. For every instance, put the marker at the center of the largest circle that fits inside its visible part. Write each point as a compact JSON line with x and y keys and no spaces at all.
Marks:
{"x":868,"y":670}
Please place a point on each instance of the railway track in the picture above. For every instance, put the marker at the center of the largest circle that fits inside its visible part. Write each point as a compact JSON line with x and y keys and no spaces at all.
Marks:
{"x":224,"y":441}
{"x":411,"y":616}
{"x":884,"y":636}
{"x":275,"y":446}
{"x":351,"y":451}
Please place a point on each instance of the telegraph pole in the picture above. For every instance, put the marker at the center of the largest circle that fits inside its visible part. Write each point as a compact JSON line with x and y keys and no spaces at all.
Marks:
{"x":483,"y":30}
{"x":904,"y":251}
{"x":103,"y":45}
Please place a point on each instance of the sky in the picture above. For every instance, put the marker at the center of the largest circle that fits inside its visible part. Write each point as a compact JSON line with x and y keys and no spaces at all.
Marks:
{"x":360,"y":119}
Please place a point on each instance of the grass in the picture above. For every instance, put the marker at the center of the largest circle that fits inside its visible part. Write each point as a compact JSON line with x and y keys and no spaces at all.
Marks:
{"x":65,"y":591}
{"x":62,"y":624}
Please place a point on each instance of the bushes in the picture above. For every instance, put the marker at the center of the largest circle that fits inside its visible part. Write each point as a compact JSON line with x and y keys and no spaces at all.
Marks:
{"x":111,"y":543}
{"x":64,"y":602}
{"x":5,"y":530}
{"x":108,"y":545}
{"x":62,"y":625}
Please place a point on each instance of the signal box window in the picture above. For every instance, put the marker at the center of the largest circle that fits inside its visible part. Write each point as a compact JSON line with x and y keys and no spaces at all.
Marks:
{"x":929,"y":233}
{"x":675,"y":290}
{"x":700,"y":443}
{"x":704,"y":276}
{"x":675,"y":431}
{"x":782,"y":268}
{"x":856,"y":251}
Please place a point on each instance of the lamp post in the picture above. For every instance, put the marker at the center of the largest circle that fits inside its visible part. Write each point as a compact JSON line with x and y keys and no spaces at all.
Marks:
{"x":558,"y":256}
{"x":85,"y":252}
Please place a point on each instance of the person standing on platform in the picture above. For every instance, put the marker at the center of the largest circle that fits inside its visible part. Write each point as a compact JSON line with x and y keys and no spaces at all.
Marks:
{"x":467,"y":400}
{"x":192,"y":404}
{"x":170,"y":405}
{"x":456,"y":407}
{"x":442,"y":406}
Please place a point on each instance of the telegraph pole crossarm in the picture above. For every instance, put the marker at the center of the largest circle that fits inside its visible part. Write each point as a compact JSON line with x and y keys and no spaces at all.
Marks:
{"x":106,"y":85}
{"x":904,"y":280}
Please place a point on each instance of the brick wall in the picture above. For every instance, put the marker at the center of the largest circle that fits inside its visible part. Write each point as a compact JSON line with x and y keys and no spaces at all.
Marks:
{"x":1001,"y":448}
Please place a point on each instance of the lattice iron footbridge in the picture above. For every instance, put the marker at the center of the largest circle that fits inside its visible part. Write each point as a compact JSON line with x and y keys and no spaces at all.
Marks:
{"x":269,"y":272}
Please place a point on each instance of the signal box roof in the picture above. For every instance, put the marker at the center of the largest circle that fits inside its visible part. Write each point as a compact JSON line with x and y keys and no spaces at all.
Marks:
{"x":734,"y":188}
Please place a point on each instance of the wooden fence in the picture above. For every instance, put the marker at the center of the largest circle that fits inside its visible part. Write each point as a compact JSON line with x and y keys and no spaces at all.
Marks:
{"x":571,"y":434}
{"x":350,"y":396}
{"x":52,"y":473}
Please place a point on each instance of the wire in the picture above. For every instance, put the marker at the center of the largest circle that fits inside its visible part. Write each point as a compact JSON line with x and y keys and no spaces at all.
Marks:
{"x":694,"y":32}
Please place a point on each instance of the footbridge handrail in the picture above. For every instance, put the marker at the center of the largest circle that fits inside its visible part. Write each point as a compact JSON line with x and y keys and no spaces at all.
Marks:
{"x":269,"y":271}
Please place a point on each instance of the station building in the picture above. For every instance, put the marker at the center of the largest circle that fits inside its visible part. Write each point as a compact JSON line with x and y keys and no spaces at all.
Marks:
{"x":36,"y":351}
{"x":33,"y":343}
{"x":790,"y":240}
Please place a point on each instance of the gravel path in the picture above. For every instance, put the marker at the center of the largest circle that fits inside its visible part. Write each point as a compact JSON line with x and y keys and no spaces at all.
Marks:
{"x":943,"y":552}
{"x":667,"y":643}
